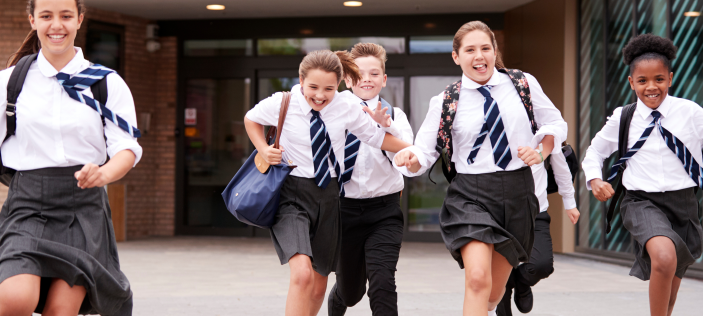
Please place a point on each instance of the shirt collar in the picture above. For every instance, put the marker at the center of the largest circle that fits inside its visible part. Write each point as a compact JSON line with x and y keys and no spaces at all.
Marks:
{"x":645,"y":111}
{"x":470,"y":84}
{"x":77,"y":64}
{"x":371,"y":103}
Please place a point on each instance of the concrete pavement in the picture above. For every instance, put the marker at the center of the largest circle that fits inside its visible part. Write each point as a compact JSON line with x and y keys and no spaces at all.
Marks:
{"x":242,"y":276}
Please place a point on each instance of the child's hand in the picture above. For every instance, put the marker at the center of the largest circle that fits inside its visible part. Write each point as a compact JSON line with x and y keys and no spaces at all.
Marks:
{"x":90,"y":176}
{"x":379,"y":115}
{"x":573,"y":215}
{"x":529,"y":156}
{"x":272,"y":155}
{"x":407,"y":159}
{"x":601,"y":190}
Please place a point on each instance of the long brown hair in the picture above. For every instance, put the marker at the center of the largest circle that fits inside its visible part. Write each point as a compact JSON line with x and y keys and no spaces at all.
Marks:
{"x":477,"y":26}
{"x":340,"y":62}
{"x":31,"y":44}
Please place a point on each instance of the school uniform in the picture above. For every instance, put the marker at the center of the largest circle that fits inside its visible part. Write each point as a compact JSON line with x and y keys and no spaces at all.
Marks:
{"x":660,"y":198}
{"x":50,"y":227}
{"x":491,"y":200}
{"x":308,"y":217}
{"x":372,"y":224}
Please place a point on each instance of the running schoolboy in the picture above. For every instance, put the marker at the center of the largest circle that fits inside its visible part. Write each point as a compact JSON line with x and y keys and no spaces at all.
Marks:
{"x":372,"y":221}
{"x":488,"y":214}
{"x":660,"y":209}
{"x":306,"y":233}
{"x":541,"y":264}
{"x":57,"y":249}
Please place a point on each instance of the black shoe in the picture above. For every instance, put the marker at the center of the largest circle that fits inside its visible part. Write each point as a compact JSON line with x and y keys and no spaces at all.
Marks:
{"x":504,"y":307}
{"x":334,"y":304}
{"x":523,"y":296}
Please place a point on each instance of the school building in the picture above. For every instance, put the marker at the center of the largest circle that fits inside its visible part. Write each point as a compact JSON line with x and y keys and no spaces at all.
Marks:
{"x":194,"y":72}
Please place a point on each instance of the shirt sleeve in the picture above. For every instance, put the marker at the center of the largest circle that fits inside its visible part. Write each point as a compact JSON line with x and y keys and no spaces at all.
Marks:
{"x":120,"y":102}
{"x":400,"y":128}
{"x":562,"y":175}
{"x":547,"y":116}
{"x":602,"y":146}
{"x":426,"y":139}
{"x":362,"y":125}
{"x":267,"y":110}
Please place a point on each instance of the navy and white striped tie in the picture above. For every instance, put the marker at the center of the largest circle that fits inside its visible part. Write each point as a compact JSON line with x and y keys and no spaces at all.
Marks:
{"x":494,"y":129}
{"x":322,"y":151}
{"x":351,"y":150}
{"x":635,"y":148}
{"x":86,"y":78}
{"x":676,"y":145}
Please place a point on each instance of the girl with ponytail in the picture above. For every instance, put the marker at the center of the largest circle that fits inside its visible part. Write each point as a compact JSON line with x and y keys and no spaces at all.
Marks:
{"x":58,"y":254}
{"x":307,"y":230}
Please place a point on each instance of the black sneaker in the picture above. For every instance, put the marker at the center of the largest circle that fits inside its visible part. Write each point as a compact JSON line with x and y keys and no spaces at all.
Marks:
{"x":334,"y":304}
{"x":523,"y":296}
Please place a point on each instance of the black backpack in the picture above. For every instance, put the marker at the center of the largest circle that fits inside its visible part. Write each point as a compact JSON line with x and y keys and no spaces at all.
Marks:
{"x":14,"y":88}
{"x":444,"y":137}
{"x":625,"y":119}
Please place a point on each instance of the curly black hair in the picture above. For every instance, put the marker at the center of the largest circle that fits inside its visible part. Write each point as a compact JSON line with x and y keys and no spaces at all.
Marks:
{"x":648,"y":47}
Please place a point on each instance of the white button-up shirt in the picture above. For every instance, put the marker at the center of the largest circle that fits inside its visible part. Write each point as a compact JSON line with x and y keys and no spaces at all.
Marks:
{"x":654,"y":168}
{"x":469,"y":121}
{"x":373,"y":174}
{"x":562,"y":176}
{"x":54,"y":130}
{"x":341,"y":114}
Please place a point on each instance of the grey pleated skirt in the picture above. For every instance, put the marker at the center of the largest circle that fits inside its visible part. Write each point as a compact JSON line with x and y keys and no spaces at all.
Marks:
{"x":51,"y":228}
{"x":495,"y":208}
{"x":672,"y":214}
{"x":308,"y":223}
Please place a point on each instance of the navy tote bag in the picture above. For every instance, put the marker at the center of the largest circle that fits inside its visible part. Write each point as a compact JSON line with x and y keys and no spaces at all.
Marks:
{"x":253,"y":194}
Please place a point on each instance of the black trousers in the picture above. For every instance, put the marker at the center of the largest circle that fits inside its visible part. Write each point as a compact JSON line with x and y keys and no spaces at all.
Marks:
{"x":372,"y":231}
{"x":541,"y":264}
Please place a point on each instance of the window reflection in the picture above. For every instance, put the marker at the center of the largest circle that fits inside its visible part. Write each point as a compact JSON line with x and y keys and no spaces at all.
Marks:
{"x":431,"y":44}
{"x":302,"y":46}
{"x":196,"y":48}
{"x":426,"y":198}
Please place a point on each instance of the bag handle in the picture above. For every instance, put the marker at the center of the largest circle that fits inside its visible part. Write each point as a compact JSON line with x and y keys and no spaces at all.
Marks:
{"x":274,"y":131}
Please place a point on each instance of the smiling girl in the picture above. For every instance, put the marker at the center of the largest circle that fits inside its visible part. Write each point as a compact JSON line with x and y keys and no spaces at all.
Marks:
{"x":307,"y":230}
{"x":660,"y":208}
{"x":487,"y":219}
{"x":57,"y":248}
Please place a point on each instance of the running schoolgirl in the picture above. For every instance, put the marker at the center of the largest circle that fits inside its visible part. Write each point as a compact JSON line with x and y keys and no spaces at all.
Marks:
{"x":57,"y":247}
{"x":372,"y":222}
{"x":488,"y":214}
{"x":541,"y":263}
{"x":306,"y":233}
{"x":660,"y":209}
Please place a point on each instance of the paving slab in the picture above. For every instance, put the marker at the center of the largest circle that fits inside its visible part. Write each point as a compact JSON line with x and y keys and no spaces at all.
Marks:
{"x":242,"y":276}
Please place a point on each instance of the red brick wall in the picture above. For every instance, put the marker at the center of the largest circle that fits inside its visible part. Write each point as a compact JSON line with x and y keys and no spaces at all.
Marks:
{"x":151,"y":77}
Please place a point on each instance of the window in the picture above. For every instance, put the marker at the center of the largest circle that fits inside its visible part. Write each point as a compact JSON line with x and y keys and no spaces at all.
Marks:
{"x":431,"y":44}
{"x":198,"y":48}
{"x":104,"y":45}
{"x":302,"y":46}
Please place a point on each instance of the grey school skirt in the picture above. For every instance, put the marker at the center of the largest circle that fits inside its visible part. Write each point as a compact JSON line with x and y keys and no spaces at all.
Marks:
{"x":308,"y":223}
{"x":673,"y":214}
{"x":495,"y":208}
{"x":51,"y":228}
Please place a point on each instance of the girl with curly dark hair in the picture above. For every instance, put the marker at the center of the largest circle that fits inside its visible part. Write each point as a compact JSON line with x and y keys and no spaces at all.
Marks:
{"x":660,"y":208}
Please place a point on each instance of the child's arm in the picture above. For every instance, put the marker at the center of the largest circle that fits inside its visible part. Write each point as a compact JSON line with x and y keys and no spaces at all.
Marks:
{"x":562,"y":175}
{"x":604,"y":144}
{"x":265,"y":113}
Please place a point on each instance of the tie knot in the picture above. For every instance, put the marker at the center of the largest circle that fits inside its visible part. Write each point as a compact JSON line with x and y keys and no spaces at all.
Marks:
{"x":656,"y":115}
{"x":485,"y":91}
{"x":62,"y":77}
{"x":315,"y":114}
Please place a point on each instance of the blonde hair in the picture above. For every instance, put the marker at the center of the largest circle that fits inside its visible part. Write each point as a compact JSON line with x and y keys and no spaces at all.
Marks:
{"x":370,"y":49}
{"x":477,"y":26}
{"x":340,"y":62}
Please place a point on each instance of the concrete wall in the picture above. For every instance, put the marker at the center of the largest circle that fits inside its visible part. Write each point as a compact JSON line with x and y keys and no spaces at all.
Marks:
{"x":540,"y":38}
{"x":150,"y":196}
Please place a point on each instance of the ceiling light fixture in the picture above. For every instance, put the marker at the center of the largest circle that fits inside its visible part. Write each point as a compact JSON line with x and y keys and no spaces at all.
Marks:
{"x":692,"y":13}
{"x":215,"y":7}
{"x":352,"y":3}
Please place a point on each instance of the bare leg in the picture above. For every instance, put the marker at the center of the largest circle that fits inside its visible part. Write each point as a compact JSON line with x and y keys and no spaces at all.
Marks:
{"x":663,"y":254}
{"x":318,"y":293}
{"x":19,"y":295}
{"x":500,"y":272}
{"x":477,"y":267}
{"x":63,"y":300}
{"x":675,"y":284}
{"x":301,"y":286}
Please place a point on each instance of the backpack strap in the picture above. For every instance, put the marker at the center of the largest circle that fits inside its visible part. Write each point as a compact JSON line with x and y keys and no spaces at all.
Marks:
{"x":444,"y":135}
{"x":390,"y":111}
{"x":523,"y":90}
{"x":625,"y":119}
{"x":99,"y":90}
{"x":14,"y":87}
